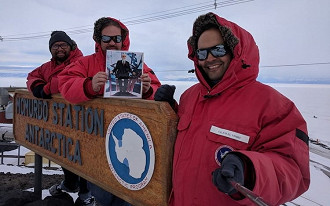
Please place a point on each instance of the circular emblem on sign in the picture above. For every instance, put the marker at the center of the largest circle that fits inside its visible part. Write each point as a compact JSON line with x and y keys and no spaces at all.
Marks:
{"x":221,"y":152}
{"x":130,"y":151}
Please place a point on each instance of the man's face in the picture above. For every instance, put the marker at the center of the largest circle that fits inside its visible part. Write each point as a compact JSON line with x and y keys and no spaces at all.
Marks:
{"x":60,"y":51}
{"x":123,"y":56}
{"x":111,"y":31}
{"x":214,"y":67}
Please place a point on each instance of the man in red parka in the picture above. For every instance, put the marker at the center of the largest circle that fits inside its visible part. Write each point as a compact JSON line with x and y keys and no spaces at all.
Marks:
{"x":85,"y":79}
{"x":43,"y":81}
{"x":233,"y":127}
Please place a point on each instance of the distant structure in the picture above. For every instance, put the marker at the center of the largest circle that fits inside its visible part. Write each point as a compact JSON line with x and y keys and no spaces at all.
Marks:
{"x":6,"y":105}
{"x":6,"y":115}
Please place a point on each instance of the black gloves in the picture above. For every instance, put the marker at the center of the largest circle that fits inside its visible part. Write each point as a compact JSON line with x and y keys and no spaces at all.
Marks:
{"x":38,"y":92}
{"x":232,"y":167}
{"x":165,"y":93}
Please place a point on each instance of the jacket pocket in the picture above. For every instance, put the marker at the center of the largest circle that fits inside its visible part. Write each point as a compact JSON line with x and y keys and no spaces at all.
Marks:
{"x":184,"y":122}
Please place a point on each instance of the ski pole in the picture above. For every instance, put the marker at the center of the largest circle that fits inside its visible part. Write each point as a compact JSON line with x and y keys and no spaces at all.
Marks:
{"x":248,"y":193}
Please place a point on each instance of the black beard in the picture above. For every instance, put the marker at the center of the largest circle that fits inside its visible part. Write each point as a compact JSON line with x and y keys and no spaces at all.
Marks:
{"x":61,"y":59}
{"x":112,"y":48}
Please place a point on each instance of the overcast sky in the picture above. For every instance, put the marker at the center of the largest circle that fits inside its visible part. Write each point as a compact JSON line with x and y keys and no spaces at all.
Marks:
{"x":287,"y":32}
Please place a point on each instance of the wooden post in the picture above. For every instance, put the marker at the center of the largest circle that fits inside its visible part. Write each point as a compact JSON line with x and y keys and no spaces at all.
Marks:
{"x":38,"y":176}
{"x":104,"y":141}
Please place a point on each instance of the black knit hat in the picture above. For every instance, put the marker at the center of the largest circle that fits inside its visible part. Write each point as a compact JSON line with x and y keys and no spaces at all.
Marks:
{"x":59,"y":36}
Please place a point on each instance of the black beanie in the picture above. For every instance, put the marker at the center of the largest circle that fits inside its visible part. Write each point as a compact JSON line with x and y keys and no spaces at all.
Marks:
{"x":59,"y":36}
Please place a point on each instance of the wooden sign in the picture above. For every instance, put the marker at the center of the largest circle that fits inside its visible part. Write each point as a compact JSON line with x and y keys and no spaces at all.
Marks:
{"x":123,"y":145}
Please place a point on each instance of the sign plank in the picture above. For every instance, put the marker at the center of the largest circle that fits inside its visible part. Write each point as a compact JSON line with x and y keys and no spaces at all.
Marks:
{"x":75,"y":136}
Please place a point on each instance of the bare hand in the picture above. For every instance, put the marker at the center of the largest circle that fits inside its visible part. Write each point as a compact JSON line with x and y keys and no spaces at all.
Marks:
{"x":146,"y":81}
{"x":99,"y":80}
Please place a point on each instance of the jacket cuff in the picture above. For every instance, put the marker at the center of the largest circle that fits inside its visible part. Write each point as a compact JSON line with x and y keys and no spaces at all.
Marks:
{"x":148,"y":93}
{"x":88,"y":88}
{"x":249,"y":172}
{"x":237,"y":196}
{"x":47,"y":89}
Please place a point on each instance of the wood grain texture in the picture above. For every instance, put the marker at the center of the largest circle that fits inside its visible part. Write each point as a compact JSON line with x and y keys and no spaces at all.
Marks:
{"x":158,"y":117}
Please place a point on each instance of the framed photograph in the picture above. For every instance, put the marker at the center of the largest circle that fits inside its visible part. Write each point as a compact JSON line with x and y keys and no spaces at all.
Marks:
{"x":124,"y":69}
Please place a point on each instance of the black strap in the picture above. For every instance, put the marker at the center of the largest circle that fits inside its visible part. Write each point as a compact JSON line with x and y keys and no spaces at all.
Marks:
{"x":302,"y":135}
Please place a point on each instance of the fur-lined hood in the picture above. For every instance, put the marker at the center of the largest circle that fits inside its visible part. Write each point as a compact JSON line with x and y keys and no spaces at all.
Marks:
{"x":244,"y":66}
{"x":99,"y":26}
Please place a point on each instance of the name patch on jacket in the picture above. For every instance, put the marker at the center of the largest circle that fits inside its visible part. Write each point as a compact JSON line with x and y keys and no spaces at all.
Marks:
{"x":230,"y":134}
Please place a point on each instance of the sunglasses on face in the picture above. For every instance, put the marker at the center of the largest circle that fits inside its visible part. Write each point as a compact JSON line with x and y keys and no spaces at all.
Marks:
{"x":216,"y":51}
{"x":107,"y":39}
{"x":57,"y":46}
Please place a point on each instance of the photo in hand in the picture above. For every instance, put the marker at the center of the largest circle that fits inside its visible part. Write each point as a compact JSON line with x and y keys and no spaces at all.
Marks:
{"x":124,"y":69}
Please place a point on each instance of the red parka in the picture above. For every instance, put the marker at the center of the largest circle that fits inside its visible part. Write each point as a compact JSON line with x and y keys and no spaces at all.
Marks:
{"x":252,"y":119}
{"x":47,"y":73}
{"x":73,"y":78}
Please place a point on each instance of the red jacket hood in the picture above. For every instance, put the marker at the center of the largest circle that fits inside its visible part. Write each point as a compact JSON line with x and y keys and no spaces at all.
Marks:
{"x":246,"y":52}
{"x":126,"y":41}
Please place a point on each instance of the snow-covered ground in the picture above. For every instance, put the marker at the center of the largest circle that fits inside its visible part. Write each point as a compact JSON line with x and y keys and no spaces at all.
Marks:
{"x":313,"y":101}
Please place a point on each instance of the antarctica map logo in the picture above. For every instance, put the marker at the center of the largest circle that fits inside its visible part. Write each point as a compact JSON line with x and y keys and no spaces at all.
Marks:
{"x":221,"y":152}
{"x":130,"y":151}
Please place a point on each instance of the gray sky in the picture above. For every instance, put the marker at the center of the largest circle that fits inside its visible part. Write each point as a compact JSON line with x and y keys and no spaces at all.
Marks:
{"x":287,"y":32}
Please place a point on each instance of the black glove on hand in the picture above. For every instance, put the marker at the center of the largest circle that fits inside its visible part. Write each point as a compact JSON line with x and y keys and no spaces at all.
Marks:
{"x":45,"y":96}
{"x":165,"y":93}
{"x":231,"y":168}
{"x":38,"y":92}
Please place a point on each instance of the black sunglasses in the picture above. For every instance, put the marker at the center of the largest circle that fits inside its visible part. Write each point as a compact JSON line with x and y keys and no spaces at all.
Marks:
{"x":216,"y":51}
{"x":107,"y":39}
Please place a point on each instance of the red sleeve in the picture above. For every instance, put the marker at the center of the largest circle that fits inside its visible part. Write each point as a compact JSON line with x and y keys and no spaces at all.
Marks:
{"x":155,"y":83}
{"x":71,"y":82}
{"x":37,"y":77}
{"x":88,"y":88}
{"x":281,"y":149}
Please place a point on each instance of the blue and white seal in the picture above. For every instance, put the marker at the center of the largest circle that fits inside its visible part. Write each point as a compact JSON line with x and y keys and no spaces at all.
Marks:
{"x":221,"y":152}
{"x":130,"y":151}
